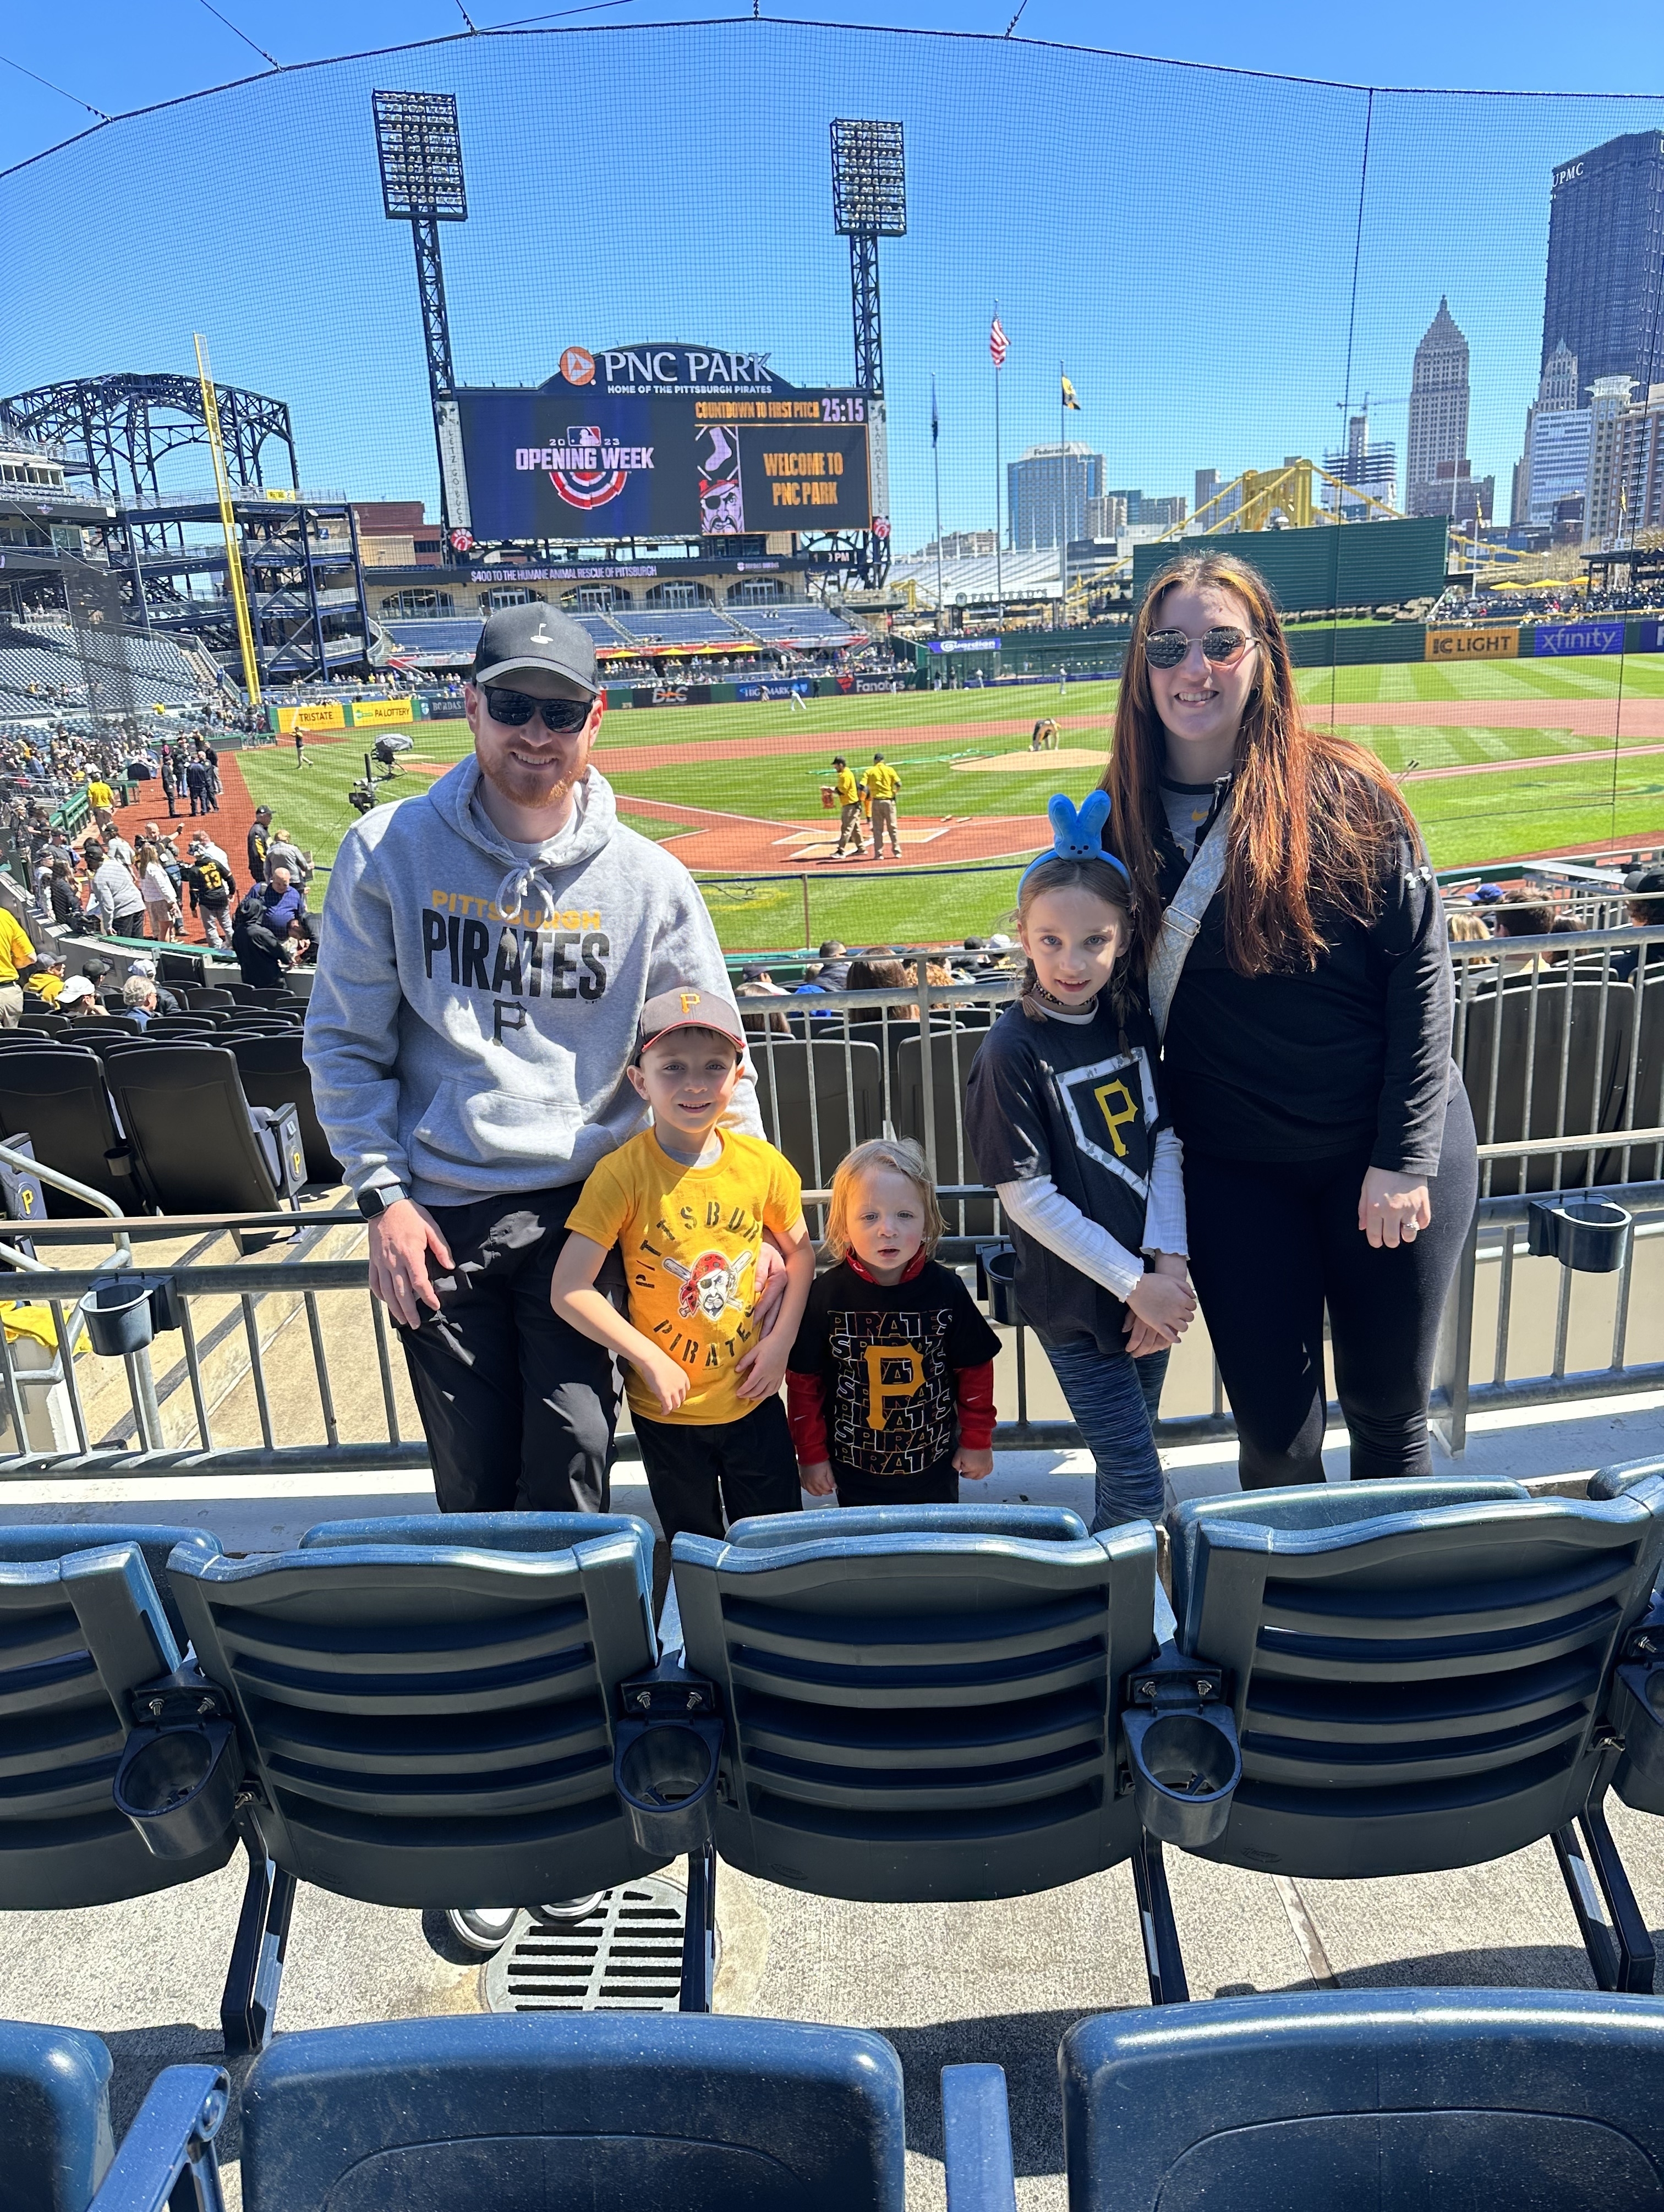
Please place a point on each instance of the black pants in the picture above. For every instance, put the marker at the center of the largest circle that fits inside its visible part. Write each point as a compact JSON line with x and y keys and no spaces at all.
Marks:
{"x":518,"y":1408}
{"x":937,"y":1485}
{"x":699,"y":1470}
{"x":1272,"y":1244}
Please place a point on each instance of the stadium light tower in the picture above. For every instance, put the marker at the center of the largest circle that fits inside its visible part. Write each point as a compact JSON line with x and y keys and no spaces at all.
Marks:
{"x":869,"y":202}
{"x":419,"y":146}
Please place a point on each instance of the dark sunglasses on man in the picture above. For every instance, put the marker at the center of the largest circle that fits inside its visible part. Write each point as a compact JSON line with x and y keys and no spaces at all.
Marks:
{"x":516,"y":708}
{"x":1166,"y":649}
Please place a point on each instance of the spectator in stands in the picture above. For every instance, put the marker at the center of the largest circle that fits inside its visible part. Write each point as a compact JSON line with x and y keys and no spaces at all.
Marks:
{"x":210,"y":886}
{"x":834,"y":966}
{"x":756,"y":982}
{"x":166,"y":1001}
{"x":66,"y":897}
{"x":42,"y":979}
{"x":1468,"y":929}
{"x":157,"y":890}
{"x":138,"y":999}
{"x":1307,"y":1008}
{"x":16,"y":953}
{"x":870,"y":973}
{"x":470,"y":1070}
{"x":1563,"y":925}
{"x":120,"y":906}
{"x":260,"y":841}
{"x":100,"y":797}
{"x":1523,"y":913}
{"x":78,"y":997}
{"x":1645,"y":887}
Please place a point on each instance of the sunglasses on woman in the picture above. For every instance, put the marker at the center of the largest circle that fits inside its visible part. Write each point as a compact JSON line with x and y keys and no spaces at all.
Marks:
{"x":1166,"y":649}
{"x":516,"y":707}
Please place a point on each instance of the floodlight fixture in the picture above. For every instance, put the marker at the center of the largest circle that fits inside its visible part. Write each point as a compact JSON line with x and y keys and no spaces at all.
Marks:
{"x":419,"y":145}
{"x":869,"y":179}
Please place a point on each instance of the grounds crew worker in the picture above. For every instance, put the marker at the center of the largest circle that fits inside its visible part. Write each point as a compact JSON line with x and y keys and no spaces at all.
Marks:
{"x":882,"y":784}
{"x":492,"y":943}
{"x":848,"y":800}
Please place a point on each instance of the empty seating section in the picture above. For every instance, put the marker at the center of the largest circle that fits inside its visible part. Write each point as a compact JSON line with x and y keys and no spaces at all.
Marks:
{"x":685,"y":626}
{"x":197,"y":1145}
{"x":274,"y":1073}
{"x":426,"y":1706}
{"x":442,"y":633}
{"x":922,"y":1703}
{"x":56,"y":1095}
{"x":818,"y":1099}
{"x":797,"y":625}
{"x":46,"y":658}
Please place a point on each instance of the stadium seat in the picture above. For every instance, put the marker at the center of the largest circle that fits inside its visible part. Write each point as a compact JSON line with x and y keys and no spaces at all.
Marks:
{"x":84,"y":1627}
{"x":270,"y":994}
{"x":274,"y":1073}
{"x":57,"y":1095}
{"x":197,"y":996}
{"x":36,"y":1017}
{"x":953,"y":1049}
{"x":923,"y":1703}
{"x":1399,"y":2100}
{"x":426,"y":1706}
{"x":54,"y":2117}
{"x":1510,"y":1061}
{"x":1419,"y":1674}
{"x":818,"y":1099}
{"x":1644,"y":1095}
{"x":197,"y":1144}
{"x":197,"y":1025}
{"x":657,"y":2114}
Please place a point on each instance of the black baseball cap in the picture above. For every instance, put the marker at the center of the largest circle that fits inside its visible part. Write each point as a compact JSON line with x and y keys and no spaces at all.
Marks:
{"x":1647,"y":880}
{"x":536,"y":640}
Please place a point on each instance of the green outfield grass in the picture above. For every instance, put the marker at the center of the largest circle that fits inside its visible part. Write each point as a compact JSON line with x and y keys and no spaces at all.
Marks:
{"x":1468,"y":819}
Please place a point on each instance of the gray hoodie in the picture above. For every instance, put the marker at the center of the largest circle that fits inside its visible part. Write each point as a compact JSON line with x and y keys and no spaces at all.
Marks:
{"x":474,"y":1012}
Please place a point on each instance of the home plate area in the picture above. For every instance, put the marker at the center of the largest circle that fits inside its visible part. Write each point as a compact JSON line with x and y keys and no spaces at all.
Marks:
{"x":741,"y":843}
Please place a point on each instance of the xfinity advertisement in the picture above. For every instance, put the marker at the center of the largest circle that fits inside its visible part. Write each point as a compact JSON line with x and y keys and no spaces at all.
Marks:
{"x":663,"y":442}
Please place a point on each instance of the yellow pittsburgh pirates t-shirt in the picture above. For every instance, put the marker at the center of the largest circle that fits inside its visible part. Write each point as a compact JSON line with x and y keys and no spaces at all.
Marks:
{"x":843,"y":785}
{"x":690,"y":1238}
{"x":881,"y":780}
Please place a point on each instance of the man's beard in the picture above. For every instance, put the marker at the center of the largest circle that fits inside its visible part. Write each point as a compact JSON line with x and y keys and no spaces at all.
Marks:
{"x":531,"y":787}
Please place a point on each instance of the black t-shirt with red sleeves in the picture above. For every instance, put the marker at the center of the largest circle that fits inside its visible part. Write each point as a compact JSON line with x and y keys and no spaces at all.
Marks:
{"x":885,"y":1354}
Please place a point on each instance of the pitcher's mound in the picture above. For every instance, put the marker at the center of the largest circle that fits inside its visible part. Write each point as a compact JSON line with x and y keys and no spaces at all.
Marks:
{"x":1027,"y":764}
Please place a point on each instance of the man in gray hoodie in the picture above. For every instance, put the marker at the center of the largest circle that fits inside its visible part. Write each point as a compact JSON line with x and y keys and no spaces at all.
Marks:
{"x":491,"y":946}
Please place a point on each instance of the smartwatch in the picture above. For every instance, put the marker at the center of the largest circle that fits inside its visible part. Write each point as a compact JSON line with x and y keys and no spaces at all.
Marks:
{"x":379,"y":1197}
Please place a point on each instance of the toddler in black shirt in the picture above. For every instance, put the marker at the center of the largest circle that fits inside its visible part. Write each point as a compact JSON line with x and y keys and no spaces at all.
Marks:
{"x":890,"y":1387}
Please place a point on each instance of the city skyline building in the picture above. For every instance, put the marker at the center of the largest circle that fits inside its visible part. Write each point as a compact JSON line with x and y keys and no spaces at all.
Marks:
{"x":1436,"y":463}
{"x":1603,"y":291}
{"x":1371,"y":470}
{"x":1554,"y":461}
{"x":1047,"y":491}
{"x":1626,"y":462}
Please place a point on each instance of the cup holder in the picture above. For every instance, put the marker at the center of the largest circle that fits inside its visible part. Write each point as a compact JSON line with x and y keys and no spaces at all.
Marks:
{"x":1185,"y":1767}
{"x":999,"y":1272}
{"x":118,"y":1315}
{"x":178,"y":1786}
{"x":666,"y":1772}
{"x":1591,"y":1236}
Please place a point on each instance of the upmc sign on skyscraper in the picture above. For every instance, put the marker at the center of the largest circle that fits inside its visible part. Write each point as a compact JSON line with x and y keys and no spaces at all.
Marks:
{"x":663,"y":442}
{"x":1604,"y":293}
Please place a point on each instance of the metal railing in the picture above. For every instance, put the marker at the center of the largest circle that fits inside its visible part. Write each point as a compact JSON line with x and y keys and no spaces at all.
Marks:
{"x":1563,"y":1087}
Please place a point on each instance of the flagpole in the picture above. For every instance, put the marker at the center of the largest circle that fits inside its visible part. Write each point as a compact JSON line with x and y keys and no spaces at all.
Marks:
{"x":1063,"y":508}
{"x":999,"y":496}
{"x":935,"y":464}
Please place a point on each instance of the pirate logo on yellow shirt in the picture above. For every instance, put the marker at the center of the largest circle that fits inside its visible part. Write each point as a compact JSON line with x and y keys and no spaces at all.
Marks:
{"x":710,"y":1286}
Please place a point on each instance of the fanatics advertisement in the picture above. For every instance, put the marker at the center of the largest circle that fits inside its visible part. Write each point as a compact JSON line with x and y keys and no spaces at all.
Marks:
{"x":663,"y":442}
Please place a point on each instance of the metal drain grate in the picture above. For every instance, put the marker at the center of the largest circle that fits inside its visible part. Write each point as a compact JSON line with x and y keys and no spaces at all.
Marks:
{"x":625,"y":1956}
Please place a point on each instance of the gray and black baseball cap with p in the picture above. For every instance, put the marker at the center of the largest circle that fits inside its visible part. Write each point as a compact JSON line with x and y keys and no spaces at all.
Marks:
{"x":536,"y":641}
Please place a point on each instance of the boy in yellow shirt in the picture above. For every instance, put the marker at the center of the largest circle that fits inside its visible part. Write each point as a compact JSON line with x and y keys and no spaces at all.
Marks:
{"x":687,"y":1203}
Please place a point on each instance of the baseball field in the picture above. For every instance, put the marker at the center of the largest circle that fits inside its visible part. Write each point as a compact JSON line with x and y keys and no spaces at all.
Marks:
{"x":1499,"y":761}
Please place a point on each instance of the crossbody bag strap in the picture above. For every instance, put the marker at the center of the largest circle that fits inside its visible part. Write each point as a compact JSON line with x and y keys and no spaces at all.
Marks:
{"x":1182,"y":921}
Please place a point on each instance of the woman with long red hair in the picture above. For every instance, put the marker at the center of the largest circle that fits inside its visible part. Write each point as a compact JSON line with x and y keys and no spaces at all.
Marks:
{"x":1299,"y":970}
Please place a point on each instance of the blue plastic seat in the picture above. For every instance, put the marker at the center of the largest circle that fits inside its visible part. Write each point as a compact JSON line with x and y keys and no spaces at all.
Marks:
{"x":86,"y":1620}
{"x":1398,"y":2099}
{"x":657,"y":2114}
{"x":426,"y":1706}
{"x":1419,"y":1675}
{"x":921,"y":1702}
{"x":54,"y":2118}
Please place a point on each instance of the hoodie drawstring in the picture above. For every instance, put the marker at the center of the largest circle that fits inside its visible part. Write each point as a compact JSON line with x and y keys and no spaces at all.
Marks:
{"x":514,"y":893}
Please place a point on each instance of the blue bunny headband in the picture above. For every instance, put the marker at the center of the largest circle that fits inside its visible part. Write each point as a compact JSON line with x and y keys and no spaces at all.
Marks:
{"x":1076,"y":834}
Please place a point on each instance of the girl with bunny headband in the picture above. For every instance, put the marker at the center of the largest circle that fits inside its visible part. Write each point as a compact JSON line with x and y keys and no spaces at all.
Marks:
{"x":1064,"y":1118}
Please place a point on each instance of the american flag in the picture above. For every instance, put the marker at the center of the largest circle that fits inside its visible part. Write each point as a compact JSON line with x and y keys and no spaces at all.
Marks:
{"x":998,"y":344}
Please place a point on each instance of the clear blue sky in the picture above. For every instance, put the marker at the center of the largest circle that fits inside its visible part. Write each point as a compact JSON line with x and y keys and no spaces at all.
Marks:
{"x":1182,"y":237}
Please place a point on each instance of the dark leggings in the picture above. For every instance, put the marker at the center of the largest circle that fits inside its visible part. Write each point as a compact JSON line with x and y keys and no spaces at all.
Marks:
{"x":1272,"y":1243}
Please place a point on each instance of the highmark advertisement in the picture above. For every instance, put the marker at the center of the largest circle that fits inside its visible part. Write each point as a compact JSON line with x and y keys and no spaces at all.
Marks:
{"x":663,"y":442}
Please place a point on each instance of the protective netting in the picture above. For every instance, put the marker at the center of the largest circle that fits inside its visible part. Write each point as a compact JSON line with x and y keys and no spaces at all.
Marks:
{"x":1233,"y":273}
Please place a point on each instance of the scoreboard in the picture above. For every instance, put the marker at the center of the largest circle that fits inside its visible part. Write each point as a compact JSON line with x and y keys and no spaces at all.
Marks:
{"x":664,"y":442}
